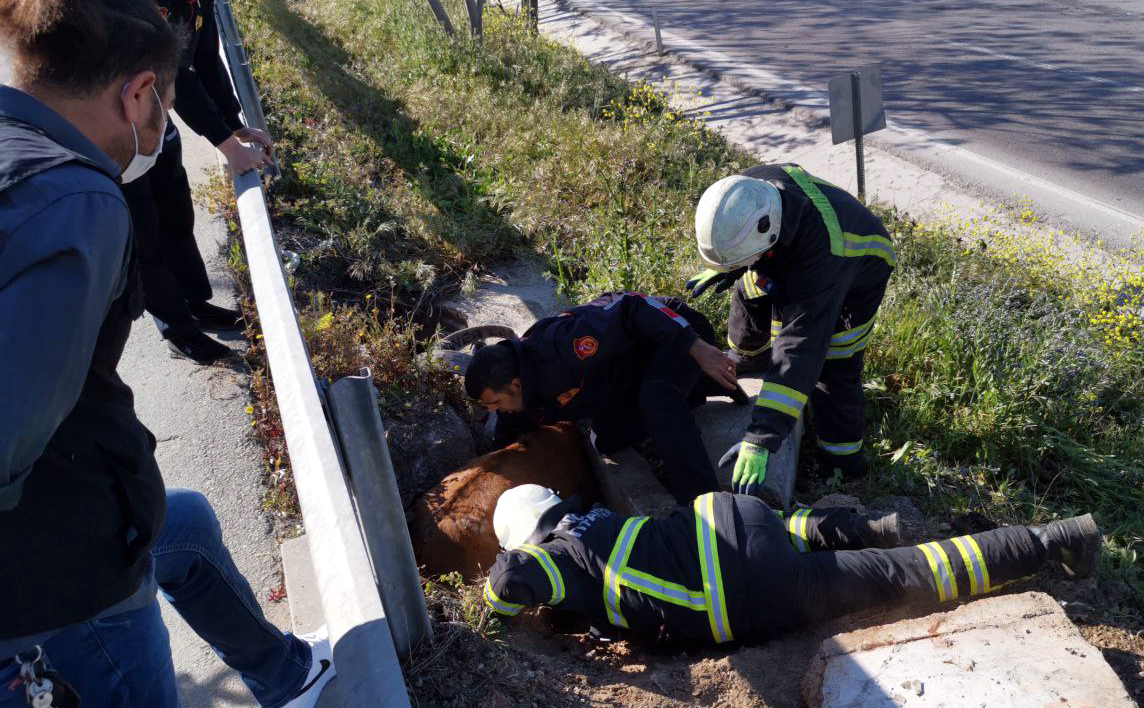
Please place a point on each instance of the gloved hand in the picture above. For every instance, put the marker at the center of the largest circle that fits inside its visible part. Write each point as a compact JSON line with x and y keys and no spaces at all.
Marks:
{"x":750,"y":467}
{"x":708,"y":278}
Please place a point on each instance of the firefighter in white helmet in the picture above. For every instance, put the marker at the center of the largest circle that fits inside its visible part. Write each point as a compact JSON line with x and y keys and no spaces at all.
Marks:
{"x":809,"y":264}
{"x":728,"y":568}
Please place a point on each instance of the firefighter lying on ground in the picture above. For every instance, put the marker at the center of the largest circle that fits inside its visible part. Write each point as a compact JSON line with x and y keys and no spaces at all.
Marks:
{"x":809,"y":264}
{"x":728,"y":568}
{"x":632,"y":364}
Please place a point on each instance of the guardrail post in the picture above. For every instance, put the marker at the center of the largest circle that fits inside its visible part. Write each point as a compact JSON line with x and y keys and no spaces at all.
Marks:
{"x":353,"y":409}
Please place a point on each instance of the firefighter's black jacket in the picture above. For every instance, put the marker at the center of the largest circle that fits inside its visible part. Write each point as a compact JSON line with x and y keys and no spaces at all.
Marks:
{"x":570,"y":570}
{"x":578,"y":364}
{"x":203,"y":95}
{"x":829,"y":245}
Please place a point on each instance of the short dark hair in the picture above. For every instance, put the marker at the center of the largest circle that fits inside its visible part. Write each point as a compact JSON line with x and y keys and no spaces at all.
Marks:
{"x":81,"y":46}
{"x":492,"y":368}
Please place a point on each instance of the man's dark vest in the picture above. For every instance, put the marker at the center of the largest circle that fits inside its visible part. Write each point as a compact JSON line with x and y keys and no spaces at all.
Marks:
{"x":78,"y":541}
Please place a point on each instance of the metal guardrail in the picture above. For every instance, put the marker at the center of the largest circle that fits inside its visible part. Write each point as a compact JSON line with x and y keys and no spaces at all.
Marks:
{"x":362,"y":634}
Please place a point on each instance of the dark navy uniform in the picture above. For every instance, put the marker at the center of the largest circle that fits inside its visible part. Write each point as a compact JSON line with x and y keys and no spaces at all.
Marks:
{"x":826,"y":275}
{"x":171,"y":267}
{"x":728,"y":568}
{"x":621,"y":362}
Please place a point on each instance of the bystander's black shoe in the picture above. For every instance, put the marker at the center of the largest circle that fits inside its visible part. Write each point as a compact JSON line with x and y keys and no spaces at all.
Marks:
{"x":199,"y":348}
{"x":1074,"y":543}
{"x":215,"y":318}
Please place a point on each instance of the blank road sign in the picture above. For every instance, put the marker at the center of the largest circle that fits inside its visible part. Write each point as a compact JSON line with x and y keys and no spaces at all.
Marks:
{"x":842,"y":103}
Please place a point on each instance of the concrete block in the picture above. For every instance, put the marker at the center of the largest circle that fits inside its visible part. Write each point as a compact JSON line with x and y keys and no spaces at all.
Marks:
{"x":722,"y":424}
{"x":1018,"y":651}
{"x":629,"y":486}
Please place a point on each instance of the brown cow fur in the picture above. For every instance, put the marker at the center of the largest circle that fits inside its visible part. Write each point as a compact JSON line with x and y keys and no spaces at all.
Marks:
{"x":452,"y":524}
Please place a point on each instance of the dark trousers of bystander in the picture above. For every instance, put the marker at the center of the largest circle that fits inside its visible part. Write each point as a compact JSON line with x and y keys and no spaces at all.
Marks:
{"x":170,"y":265}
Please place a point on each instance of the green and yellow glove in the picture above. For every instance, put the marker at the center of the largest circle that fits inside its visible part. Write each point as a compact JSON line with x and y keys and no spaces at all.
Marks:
{"x":750,"y":469}
{"x":708,"y":278}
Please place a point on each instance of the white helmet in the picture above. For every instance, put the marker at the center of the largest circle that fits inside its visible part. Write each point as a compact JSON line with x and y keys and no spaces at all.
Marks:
{"x":518,"y":513}
{"x":737,"y":219}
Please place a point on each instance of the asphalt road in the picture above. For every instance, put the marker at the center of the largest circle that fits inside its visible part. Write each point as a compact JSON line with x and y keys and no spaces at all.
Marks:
{"x":1052,"y":88}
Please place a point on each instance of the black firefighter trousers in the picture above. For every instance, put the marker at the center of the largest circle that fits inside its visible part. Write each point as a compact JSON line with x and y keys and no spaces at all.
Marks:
{"x":797,"y":575}
{"x":837,"y":402}
{"x":170,"y":265}
{"x":658,"y":405}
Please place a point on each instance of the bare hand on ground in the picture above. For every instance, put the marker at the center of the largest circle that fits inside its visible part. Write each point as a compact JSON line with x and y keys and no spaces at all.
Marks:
{"x":714,"y":363}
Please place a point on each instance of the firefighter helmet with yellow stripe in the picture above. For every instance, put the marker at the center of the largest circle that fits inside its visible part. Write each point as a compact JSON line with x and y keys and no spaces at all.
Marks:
{"x":737,"y":219}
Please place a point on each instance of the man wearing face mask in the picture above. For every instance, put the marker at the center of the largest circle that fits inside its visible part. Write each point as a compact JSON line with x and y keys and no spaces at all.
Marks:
{"x":87,"y":529}
{"x":176,"y":287}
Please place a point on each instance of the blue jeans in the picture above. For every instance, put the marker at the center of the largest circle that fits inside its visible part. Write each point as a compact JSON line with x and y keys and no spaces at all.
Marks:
{"x":124,"y":661}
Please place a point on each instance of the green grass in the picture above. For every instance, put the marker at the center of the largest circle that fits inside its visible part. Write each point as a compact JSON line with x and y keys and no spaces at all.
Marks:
{"x":1000,"y":377}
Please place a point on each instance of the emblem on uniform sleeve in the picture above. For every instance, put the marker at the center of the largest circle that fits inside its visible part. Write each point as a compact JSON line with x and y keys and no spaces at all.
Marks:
{"x":568,"y":395}
{"x":585,"y":347}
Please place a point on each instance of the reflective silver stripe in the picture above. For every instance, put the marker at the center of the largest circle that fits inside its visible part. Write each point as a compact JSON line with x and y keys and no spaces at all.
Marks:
{"x":709,"y":567}
{"x":549,"y":566}
{"x":796,"y":525}
{"x":847,"y":351}
{"x":942,"y":570}
{"x":659,"y":305}
{"x":974,"y":564}
{"x":613,"y":571}
{"x":505,"y":608}
{"x":850,"y":336}
{"x":662,"y":589}
{"x":840,"y":448}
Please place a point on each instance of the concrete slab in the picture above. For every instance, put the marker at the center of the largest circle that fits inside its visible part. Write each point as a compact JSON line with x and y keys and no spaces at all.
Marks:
{"x":1017,"y":651}
{"x":305,"y":603}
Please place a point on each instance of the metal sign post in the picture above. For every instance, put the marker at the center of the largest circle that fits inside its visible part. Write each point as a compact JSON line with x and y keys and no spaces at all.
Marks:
{"x":855,"y":110}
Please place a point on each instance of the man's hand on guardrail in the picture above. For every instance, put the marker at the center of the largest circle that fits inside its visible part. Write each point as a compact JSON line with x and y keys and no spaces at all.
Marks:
{"x":241,"y":158}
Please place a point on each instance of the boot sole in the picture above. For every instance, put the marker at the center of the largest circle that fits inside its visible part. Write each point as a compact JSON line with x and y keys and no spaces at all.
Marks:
{"x":892,"y":535}
{"x":1089,"y":558}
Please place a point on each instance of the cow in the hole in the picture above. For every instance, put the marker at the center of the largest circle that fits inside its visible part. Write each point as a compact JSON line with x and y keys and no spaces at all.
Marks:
{"x":452,"y":524}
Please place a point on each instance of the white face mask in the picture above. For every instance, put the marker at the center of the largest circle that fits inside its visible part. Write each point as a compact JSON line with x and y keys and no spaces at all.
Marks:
{"x":141,"y":163}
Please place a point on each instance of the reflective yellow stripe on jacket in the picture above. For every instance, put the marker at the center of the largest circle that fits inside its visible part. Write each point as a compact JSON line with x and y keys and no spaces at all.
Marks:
{"x":842,"y":243}
{"x":550,"y":569}
{"x":499,"y":605}
{"x":617,"y":562}
{"x":781,"y":398}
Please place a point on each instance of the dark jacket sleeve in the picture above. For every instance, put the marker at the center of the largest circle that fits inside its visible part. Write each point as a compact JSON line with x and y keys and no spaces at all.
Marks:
{"x":593,"y":334}
{"x":516,"y":581}
{"x":204,"y":98}
{"x":816,"y":292}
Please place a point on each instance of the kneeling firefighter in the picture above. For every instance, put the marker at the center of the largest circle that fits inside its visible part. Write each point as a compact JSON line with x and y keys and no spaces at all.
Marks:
{"x":700,"y":573}
{"x":809,"y":264}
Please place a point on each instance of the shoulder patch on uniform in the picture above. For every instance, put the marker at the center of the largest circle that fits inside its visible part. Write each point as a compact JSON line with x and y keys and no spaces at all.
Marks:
{"x":585,"y":347}
{"x":568,"y":395}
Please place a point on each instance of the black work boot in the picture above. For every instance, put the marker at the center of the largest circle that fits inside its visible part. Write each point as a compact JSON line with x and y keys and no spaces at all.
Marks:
{"x":1074,"y":543}
{"x":754,"y":364}
{"x":214,"y":318}
{"x":878,"y":530}
{"x":199,"y":348}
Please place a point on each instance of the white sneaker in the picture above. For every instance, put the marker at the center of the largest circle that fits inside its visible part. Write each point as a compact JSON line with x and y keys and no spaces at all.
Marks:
{"x":321,"y":669}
